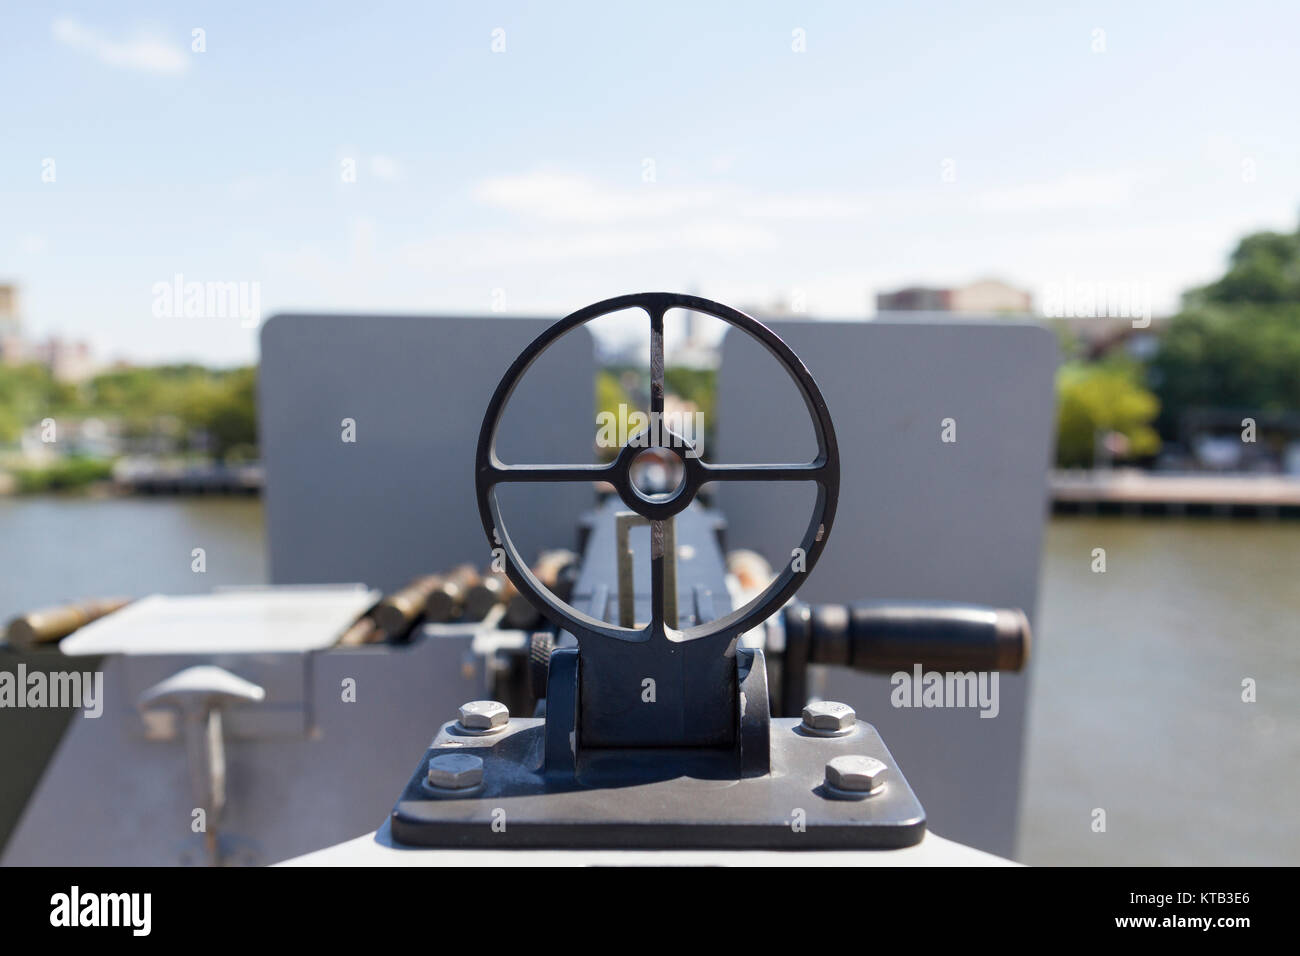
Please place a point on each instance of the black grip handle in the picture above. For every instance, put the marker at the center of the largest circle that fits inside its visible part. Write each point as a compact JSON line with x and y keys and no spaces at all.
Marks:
{"x":889,"y":635}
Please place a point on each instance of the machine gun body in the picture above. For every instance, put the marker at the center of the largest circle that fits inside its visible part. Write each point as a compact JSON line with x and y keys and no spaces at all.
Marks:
{"x":758,"y":781}
{"x":657,"y":729}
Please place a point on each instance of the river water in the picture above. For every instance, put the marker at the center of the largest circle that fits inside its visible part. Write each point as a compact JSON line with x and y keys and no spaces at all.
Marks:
{"x":1137,"y":705}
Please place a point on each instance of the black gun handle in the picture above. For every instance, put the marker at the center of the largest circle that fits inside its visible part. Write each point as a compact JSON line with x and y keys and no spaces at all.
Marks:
{"x":889,"y":636}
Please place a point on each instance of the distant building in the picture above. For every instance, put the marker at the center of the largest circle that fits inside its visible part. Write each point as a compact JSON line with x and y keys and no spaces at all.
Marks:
{"x":67,"y":361}
{"x":984,"y":297}
{"x":11,"y":338}
{"x":992,"y":295}
{"x":778,"y":307}
{"x":1094,"y":337}
{"x":915,"y":299}
{"x":70,"y":362}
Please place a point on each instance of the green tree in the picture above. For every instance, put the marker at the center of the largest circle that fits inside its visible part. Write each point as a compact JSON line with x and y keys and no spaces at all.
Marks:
{"x":1236,"y":344}
{"x":186,"y":402}
{"x":1243,"y":356}
{"x":610,"y":398}
{"x":231,"y":419}
{"x":1264,"y":268}
{"x":700,"y":387}
{"x":1094,"y":399}
{"x":28,"y":393}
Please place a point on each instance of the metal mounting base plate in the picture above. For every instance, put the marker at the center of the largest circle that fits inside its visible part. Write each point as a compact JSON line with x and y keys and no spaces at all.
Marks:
{"x":658,"y":799}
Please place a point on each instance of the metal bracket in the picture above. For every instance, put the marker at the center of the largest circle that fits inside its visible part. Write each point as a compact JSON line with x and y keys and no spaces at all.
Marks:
{"x":198,"y":695}
{"x":624,"y":521}
{"x":665,"y":800}
{"x":539,"y":789}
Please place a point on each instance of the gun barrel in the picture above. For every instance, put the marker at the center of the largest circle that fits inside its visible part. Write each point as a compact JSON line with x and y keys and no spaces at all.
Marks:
{"x":397,"y":613}
{"x":551,"y":569}
{"x":484,"y":596}
{"x":50,"y":624}
{"x":364,"y":631}
{"x":446,"y":601}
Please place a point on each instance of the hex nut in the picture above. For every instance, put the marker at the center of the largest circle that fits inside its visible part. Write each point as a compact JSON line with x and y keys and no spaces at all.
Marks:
{"x":455,"y":771}
{"x":484,"y":715}
{"x":855,"y":774}
{"x":829,"y":717}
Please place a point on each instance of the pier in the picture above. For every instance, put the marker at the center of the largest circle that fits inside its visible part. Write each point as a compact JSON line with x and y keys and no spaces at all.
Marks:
{"x":167,"y":479}
{"x":1132,"y":492}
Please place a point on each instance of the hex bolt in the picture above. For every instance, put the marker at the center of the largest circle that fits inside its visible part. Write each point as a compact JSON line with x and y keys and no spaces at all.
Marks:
{"x":455,"y":771}
{"x":828,"y":718}
{"x":855,"y":774}
{"x":484,"y":716}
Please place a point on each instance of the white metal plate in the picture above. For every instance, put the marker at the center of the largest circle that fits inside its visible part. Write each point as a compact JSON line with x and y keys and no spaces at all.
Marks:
{"x":237,"y":621}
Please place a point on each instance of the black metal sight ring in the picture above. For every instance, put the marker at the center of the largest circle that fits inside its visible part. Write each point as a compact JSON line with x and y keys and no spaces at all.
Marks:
{"x":824,"y":470}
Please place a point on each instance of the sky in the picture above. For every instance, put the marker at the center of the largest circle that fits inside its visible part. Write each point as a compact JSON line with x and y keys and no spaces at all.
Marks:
{"x":532,"y":158}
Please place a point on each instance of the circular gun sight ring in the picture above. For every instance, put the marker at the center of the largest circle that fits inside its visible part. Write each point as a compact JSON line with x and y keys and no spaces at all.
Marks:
{"x":824,"y":470}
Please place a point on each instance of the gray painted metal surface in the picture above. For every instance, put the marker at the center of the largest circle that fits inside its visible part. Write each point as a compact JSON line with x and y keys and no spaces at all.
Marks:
{"x":399,"y":501}
{"x":112,"y":796}
{"x":918,"y":518}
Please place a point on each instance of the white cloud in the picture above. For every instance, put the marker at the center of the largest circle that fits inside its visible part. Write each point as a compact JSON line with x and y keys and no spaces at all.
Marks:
{"x":564,"y":197}
{"x":561,"y":197}
{"x":723,"y":162}
{"x":1069,"y":192}
{"x":567,"y":238}
{"x":384,"y":167}
{"x":145,"y":51}
{"x":804,"y":207}
{"x":585,"y":246}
